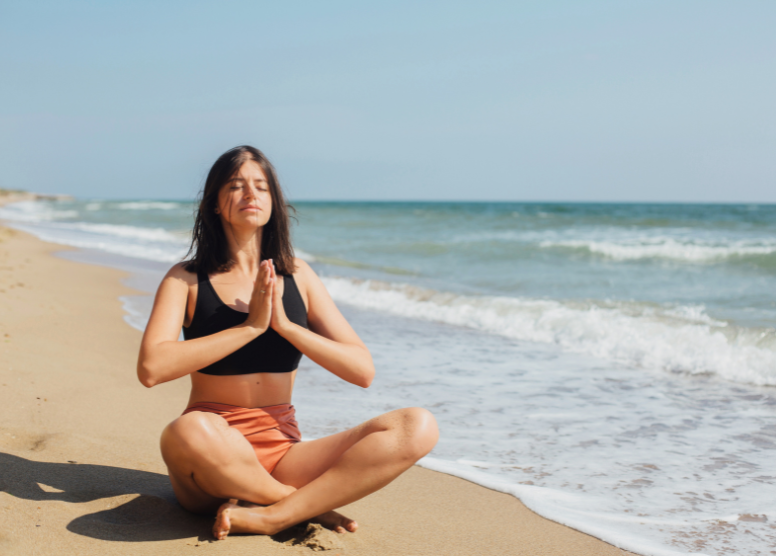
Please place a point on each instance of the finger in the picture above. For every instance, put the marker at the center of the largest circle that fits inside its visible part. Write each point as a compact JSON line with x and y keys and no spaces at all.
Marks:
{"x":262,"y":283}
{"x":277,"y":294}
{"x":268,"y":293}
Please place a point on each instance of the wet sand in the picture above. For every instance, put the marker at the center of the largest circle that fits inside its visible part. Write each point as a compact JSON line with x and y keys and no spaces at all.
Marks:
{"x":80,"y":468}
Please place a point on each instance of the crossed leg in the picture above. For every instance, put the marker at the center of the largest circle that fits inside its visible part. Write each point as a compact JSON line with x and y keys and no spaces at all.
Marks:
{"x":336,"y":470}
{"x":210,"y":462}
{"x":213,"y":465}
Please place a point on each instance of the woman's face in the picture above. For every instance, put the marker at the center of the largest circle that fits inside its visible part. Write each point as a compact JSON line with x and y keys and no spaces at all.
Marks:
{"x":245,"y":200}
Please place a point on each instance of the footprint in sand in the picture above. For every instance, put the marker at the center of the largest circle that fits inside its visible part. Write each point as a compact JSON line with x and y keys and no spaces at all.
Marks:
{"x":312,"y":536}
{"x":38,"y":443}
{"x":23,"y":441}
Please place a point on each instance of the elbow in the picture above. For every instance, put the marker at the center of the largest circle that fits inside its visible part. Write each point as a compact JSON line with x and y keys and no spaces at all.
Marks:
{"x":366,"y":378}
{"x":145,"y":376}
{"x":148,"y":382}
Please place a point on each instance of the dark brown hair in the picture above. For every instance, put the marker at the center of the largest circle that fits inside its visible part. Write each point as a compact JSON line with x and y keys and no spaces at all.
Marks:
{"x":209,"y":246}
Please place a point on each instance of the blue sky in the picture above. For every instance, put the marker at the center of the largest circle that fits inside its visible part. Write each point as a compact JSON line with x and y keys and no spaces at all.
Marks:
{"x":580,"y":101}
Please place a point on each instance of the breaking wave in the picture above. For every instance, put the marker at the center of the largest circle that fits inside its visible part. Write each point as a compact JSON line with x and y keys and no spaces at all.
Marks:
{"x":682,"y":339}
{"x":669,"y":248}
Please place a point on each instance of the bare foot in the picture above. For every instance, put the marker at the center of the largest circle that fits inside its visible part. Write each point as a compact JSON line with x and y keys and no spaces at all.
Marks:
{"x":243,"y":517}
{"x":223,"y":524}
{"x":336,"y":522}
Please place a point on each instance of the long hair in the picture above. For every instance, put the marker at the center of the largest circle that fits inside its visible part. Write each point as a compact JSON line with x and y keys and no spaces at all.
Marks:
{"x":209,"y":248}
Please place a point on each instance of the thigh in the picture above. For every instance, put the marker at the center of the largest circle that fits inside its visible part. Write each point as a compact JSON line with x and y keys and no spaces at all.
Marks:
{"x":306,"y":461}
{"x":190,"y":444}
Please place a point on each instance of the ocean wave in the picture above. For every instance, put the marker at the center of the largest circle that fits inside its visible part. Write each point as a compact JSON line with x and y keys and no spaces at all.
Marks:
{"x":165,"y":252}
{"x":669,"y":248}
{"x":147,"y":205}
{"x":129,"y":232}
{"x":583,"y":512}
{"x":697,"y":246}
{"x":33,"y":211}
{"x":681,"y":339}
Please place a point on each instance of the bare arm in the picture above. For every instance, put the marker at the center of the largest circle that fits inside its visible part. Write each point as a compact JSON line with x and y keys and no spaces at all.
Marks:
{"x":331,"y":341}
{"x":163,"y":358}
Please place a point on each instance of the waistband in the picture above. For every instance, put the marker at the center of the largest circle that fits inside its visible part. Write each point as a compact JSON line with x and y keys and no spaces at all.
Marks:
{"x":213,"y":407}
{"x":251,"y":420}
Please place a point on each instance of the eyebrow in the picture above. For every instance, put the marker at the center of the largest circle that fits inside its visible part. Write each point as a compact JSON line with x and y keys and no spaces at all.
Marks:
{"x":243,"y":179}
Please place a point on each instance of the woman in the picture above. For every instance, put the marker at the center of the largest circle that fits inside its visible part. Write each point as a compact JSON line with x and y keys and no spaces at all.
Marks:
{"x":249,"y":310}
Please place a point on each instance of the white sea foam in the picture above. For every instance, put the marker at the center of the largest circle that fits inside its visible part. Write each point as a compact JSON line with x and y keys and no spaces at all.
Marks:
{"x":129,"y":232}
{"x":622,"y":244}
{"x":669,"y":248}
{"x":40,"y":219}
{"x":137,"y":311}
{"x":32,"y":211}
{"x":583,"y":512}
{"x":648,"y":461}
{"x":679,"y":339}
{"x":161,"y":252}
{"x":147,"y":205}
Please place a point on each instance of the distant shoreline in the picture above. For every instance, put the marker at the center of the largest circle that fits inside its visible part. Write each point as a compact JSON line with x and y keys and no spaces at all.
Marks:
{"x":8,"y":196}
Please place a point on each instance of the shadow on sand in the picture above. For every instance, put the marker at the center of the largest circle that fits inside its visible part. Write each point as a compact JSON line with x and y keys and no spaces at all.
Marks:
{"x":139,"y":505}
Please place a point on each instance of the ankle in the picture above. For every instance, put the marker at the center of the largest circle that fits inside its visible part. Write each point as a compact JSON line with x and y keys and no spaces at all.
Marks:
{"x":262,"y":520}
{"x":273,"y":521}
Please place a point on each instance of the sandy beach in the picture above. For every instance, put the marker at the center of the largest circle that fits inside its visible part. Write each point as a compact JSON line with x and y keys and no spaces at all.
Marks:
{"x":80,"y":468}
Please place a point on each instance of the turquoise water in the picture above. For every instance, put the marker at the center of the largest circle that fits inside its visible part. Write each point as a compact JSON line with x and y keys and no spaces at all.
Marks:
{"x":720,"y":256}
{"x":613,"y":365}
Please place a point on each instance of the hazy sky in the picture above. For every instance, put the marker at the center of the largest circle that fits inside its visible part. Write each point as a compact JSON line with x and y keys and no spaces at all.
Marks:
{"x":589,"y":101}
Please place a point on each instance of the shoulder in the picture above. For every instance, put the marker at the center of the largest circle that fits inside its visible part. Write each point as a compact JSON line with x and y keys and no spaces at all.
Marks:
{"x":304,"y":275}
{"x":176,"y":287}
{"x":307,"y":282}
{"x":301,"y":268}
{"x":179,"y":274}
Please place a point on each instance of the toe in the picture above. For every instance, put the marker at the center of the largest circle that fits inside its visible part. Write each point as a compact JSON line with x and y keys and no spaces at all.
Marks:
{"x":221,"y":526}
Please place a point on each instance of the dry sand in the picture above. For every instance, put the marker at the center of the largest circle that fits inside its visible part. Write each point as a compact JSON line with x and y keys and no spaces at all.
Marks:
{"x":80,"y":469}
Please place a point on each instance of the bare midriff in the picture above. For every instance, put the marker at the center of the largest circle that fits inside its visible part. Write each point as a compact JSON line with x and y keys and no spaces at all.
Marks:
{"x":250,"y":391}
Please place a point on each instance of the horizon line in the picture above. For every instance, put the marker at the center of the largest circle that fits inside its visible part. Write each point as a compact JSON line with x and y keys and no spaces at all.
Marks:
{"x":407,"y":201}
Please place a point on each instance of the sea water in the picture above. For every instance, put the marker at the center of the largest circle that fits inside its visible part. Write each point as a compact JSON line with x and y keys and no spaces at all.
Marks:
{"x":611,"y":365}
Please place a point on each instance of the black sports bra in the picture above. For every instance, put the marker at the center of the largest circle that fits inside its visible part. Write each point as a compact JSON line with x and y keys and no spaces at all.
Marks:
{"x":269,"y":353}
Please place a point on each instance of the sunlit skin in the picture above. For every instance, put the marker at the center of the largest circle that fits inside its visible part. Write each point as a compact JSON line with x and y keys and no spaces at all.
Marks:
{"x":212,"y":467}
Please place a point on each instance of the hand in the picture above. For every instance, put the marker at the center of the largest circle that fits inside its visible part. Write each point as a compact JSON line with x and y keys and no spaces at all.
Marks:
{"x":279,"y":317}
{"x":260,"y":307}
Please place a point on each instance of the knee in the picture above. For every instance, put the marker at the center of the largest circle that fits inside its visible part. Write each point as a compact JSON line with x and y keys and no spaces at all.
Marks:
{"x":420,"y":431}
{"x":189,"y":435}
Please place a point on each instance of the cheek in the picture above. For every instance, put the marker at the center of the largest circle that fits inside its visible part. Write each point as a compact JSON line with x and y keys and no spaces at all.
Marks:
{"x":225,"y":205}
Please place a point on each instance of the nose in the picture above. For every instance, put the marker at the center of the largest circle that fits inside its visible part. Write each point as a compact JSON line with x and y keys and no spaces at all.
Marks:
{"x":250,"y":192}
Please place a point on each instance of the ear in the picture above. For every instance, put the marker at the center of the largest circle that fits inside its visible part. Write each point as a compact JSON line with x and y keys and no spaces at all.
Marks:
{"x":217,"y":210}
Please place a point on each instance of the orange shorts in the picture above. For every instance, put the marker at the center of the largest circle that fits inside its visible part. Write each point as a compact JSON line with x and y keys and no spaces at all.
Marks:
{"x":271,"y":430}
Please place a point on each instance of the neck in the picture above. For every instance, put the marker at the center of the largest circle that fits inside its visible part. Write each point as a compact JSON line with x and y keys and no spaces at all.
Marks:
{"x":245,"y":248}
